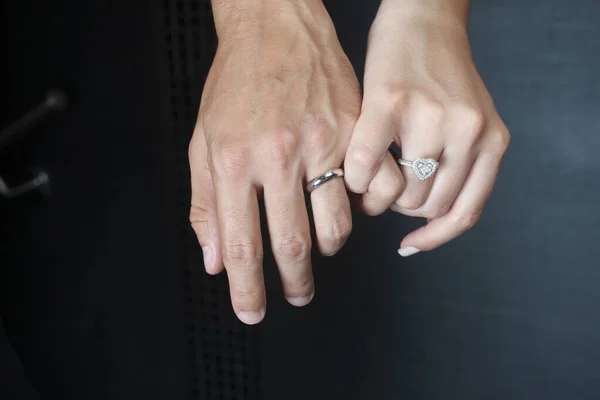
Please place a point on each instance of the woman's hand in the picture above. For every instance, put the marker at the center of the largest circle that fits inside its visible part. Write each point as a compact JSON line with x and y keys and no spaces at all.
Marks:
{"x":422,"y":92}
{"x":278,"y":109}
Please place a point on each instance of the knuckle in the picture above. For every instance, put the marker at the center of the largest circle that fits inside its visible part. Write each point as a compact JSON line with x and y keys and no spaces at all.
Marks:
{"x":200,"y":220}
{"x":364,"y":156}
{"x":394,"y":186}
{"x":372,"y":210}
{"x":434,"y":212}
{"x":316,"y":130}
{"x":242,"y":254}
{"x":229,"y":158}
{"x":471,"y":119}
{"x":410,"y":201}
{"x":282,"y":148}
{"x":499,"y":141}
{"x":397,"y":99}
{"x":340,"y":230}
{"x":292,"y":249}
{"x":198,"y":215}
{"x":466,"y":221}
{"x":247,"y":297}
{"x":428,"y":110}
{"x":418,"y":108}
{"x":300,"y":286}
{"x":349,"y":116}
{"x":388,"y":189}
{"x":388,"y":99}
{"x":394,"y":96}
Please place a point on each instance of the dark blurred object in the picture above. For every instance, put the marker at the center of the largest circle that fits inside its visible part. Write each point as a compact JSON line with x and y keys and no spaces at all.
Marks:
{"x":55,"y":100}
{"x":40,"y":181}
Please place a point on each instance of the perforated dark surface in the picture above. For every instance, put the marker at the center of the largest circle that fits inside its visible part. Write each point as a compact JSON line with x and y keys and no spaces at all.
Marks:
{"x":102,"y":290}
{"x":223,"y":362}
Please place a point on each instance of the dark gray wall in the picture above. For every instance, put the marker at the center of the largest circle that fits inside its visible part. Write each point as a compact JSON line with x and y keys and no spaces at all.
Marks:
{"x":511,"y":309}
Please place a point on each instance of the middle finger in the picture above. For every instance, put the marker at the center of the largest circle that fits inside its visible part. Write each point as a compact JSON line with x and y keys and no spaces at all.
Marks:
{"x":239,"y":228}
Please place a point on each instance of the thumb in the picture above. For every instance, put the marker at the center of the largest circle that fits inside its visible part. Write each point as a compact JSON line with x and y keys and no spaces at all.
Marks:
{"x":203,"y":212}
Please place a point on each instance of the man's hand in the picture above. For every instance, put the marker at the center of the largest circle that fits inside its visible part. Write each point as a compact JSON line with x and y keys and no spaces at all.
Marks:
{"x":422,"y":92}
{"x":278,"y":108}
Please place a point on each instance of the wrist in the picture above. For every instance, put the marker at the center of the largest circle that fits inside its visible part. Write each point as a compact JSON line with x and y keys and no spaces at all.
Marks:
{"x":449,"y":13}
{"x":244,"y":19}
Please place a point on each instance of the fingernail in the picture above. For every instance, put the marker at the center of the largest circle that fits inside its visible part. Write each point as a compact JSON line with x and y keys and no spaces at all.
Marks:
{"x":209,"y":256}
{"x":408,"y":251}
{"x":300,"y":301}
{"x":251,"y":317}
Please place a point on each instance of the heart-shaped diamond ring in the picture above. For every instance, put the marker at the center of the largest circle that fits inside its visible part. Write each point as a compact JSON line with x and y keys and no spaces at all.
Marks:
{"x":424,"y":168}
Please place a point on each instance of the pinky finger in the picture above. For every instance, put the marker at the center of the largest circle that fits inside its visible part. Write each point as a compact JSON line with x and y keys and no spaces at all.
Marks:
{"x":464,"y":213}
{"x":203,"y":211}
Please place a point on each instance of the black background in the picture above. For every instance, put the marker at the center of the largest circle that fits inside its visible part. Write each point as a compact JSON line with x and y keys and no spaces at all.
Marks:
{"x":101,"y":286}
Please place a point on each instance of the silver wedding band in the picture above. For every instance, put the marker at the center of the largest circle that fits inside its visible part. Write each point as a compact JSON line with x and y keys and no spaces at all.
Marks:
{"x":424,"y":168}
{"x":325,"y":177}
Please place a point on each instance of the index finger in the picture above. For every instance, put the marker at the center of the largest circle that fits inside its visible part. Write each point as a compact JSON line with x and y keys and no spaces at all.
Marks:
{"x":369,"y":144}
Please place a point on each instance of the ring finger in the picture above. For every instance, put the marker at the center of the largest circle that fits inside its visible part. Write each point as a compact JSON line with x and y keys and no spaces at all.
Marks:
{"x":240,"y":236}
{"x":454,"y":165}
{"x":331,"y":212}
{"x":416,"y":189}
{"x":419,"y":138}
{"x":447,"y":182}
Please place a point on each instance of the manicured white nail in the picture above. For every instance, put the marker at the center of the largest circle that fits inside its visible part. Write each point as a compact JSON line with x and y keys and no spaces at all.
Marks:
{"x":408,"y":251}
{"x":251,"y":317}
{"x":300,"y":301}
